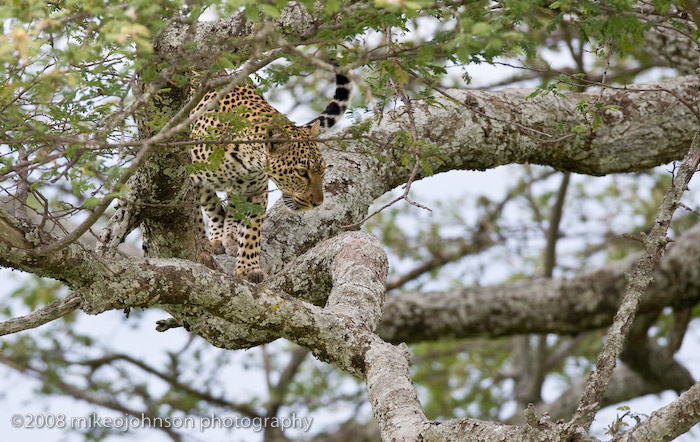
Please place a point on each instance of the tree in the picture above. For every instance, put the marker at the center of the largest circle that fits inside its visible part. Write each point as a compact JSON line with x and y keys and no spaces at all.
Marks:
{"x":95,"y":108}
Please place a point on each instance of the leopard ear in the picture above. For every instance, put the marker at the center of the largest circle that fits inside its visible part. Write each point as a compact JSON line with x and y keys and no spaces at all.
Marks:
{"x":316,"y":128}
{"x":276,"y":147}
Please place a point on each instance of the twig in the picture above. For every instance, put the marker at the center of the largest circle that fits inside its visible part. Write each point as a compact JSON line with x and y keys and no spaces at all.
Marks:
{"x":414,"y":134}
{"x":550,"y":253}
{"x":605,"y":73}
{"x":47,"y":376}
{"x":565,"y":350}
{"x":242,"y":408}
{"x":278,"y":391}
{"x":22,"y":187}
{"x":689,"y":209}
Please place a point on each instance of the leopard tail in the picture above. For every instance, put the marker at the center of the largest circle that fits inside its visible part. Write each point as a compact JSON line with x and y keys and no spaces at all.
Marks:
{"x":336,"y":108}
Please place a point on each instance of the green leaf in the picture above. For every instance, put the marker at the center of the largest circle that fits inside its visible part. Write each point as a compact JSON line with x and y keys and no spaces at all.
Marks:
{"x":269,"y":10}
{"x":331,"y":6}
{"x":425,"y":166}
{"x":91,"y":202}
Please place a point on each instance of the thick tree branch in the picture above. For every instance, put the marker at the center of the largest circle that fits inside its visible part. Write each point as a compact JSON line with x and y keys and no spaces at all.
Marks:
{"x":584,"y":302}
{"x":294,"y":23}
{"x":482,"y":130}
{"x":394,"y":401}
{"x":10,"y":233}
{"x":226,"y":311}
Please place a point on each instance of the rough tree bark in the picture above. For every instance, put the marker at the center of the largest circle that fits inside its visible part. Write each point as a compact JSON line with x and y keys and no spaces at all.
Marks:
{"x":349,"y":270}
{"x":327,"y":294}
{"x":563,"y":306}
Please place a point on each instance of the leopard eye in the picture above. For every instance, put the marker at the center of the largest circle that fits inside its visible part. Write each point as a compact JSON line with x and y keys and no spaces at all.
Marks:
{"x":304,"y":173}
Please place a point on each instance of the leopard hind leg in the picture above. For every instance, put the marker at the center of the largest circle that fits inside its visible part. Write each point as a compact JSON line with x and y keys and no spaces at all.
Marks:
{"x":248,"y":233}
{"x":216,"y":215}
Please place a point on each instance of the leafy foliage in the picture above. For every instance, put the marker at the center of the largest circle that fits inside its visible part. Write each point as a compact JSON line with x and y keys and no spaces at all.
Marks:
{"x":86,"y":88}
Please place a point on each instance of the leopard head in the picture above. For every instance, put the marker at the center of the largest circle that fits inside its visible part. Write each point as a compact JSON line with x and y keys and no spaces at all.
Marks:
{"x":296,"y":166}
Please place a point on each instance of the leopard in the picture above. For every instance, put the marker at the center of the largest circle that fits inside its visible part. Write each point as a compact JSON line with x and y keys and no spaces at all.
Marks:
{"x":268,"y":146}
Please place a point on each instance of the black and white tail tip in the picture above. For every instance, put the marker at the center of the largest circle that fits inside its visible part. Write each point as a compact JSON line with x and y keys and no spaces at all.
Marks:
{"x":336,"y":108}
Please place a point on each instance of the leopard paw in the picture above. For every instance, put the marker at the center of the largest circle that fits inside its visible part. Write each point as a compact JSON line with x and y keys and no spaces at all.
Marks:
{"x":217,"y":247}
{"x":256,"y":276}
{"x":230,"y":245}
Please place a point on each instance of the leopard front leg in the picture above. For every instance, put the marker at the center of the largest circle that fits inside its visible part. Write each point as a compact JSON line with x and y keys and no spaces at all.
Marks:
{"x":248,"y":235}
{"x":215,"y":213}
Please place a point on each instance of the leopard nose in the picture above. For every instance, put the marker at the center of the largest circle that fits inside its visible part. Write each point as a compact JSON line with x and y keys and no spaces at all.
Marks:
{"x":317,"y":200}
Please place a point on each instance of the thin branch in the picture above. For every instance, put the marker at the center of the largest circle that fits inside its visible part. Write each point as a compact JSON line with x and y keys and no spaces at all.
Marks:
{"x":84,"y":395}
{"x":639,"y":280}
{"x":22,"y":187}
{"x":565,"y":350}
{"x":480,"y":243}
{"x":530,"y":363}
{"x":414,"y":134}
{"x":625,"y":88}
{"x":267,"y":369}
{"x":279,"y":390}
{"x":553,"y":230}
{"x":39,"y":317}
{"x":98,"y":210}
{"x":681,"y":319}
{"x":244,"y":409}
{"x":669,"y":422}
